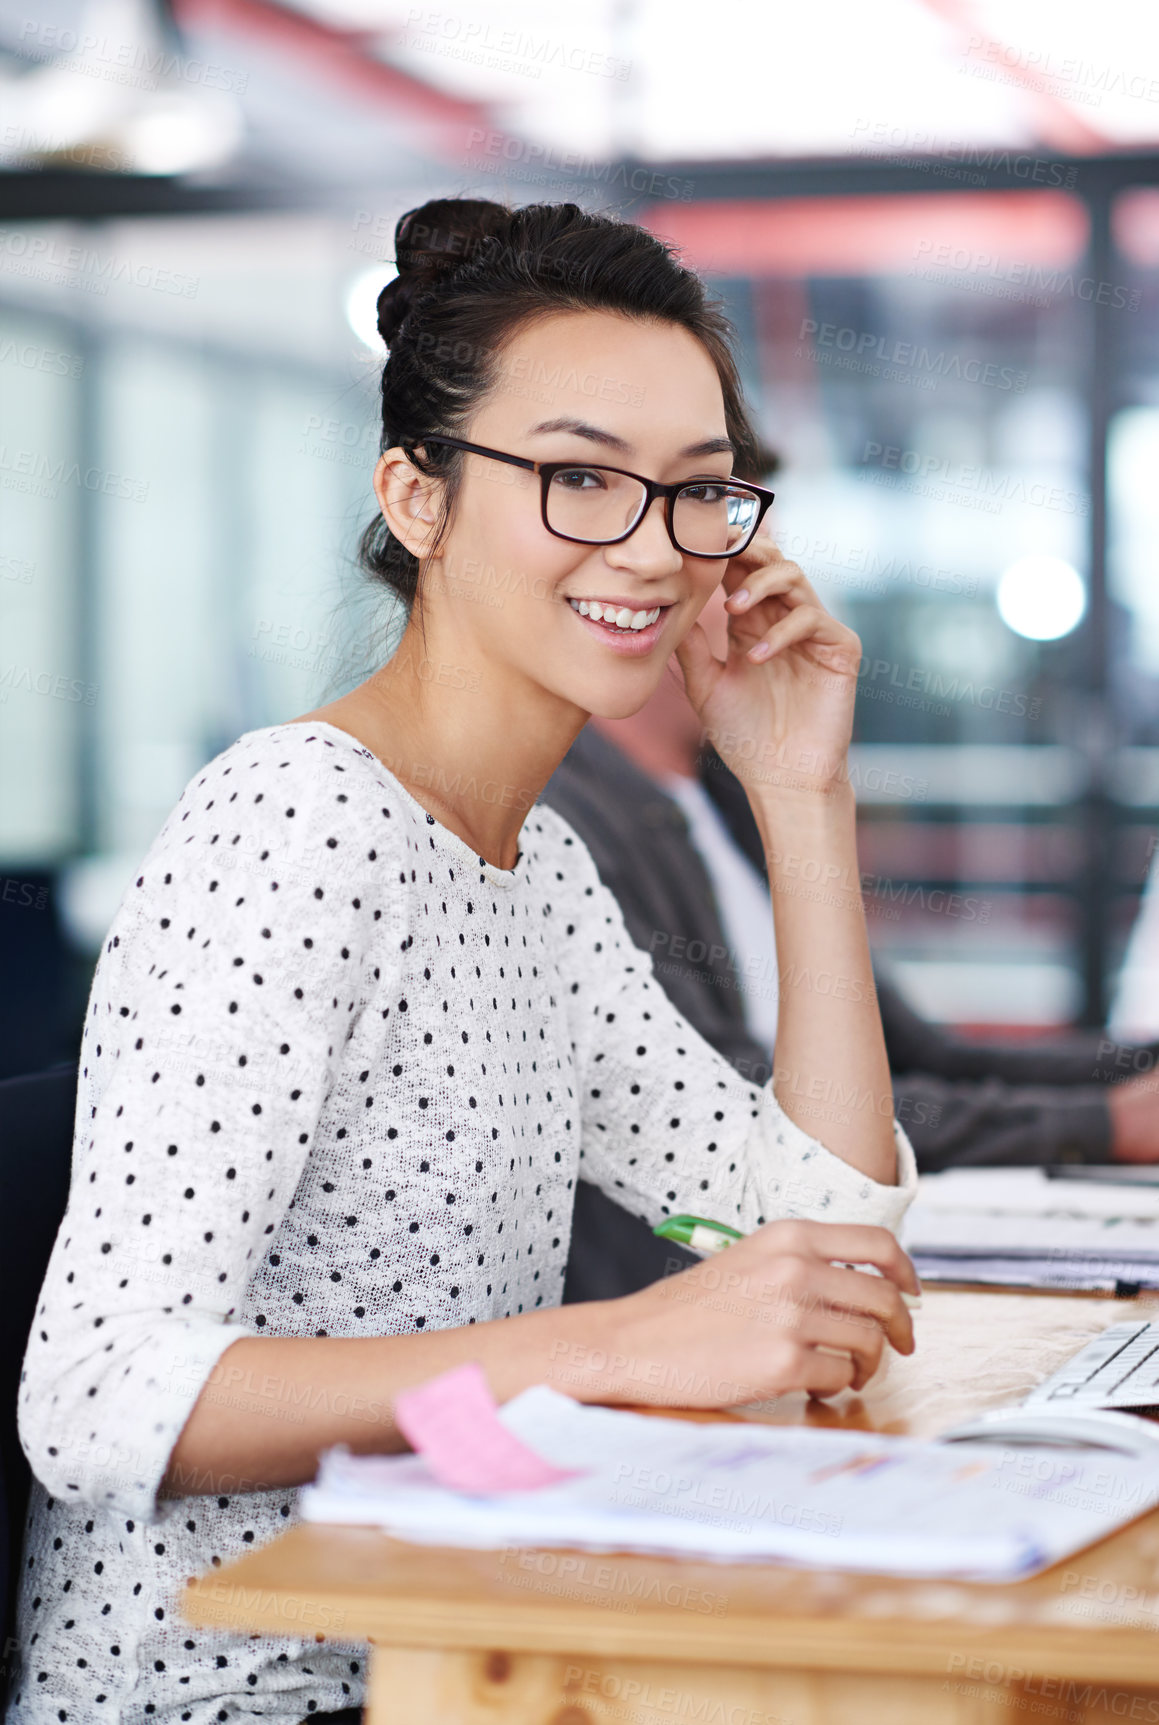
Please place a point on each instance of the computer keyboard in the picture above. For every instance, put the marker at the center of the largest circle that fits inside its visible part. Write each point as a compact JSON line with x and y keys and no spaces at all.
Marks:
{"x":1117,"y":1369}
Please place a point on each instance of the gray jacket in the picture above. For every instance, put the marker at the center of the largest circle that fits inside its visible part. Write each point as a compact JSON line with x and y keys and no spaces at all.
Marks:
{"x":962,"y":1103}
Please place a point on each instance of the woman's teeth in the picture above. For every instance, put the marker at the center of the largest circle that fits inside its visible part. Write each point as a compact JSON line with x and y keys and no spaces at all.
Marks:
{"x":623,"y":618}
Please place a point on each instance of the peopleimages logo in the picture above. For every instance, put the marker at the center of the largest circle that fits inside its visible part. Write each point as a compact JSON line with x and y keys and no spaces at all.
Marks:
{"x":479,"y":42}
{"x":40,"y":252}
{"x":571,"y":164}
{"x":14,"y":678}
{"x":123,"y":62}
{"x":916,"y":679}
{"x":31,"y":357}
{"x":1044,"y":69}
{"x":34,"y":472}
{"x":865,"y":567}
{"x":957,"y":481}
{"x":892,"y":138}
{"x":961,"y":266}
{"x":899,"y":360}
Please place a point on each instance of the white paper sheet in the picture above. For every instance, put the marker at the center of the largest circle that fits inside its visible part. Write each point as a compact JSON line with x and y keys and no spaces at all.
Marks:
{"x":834,"y":1499}
{"x":1028,"y":1192}
{"x":992,"y":1234}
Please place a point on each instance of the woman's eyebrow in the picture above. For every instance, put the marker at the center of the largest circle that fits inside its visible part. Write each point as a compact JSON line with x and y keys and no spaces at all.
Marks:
{"x":594,"y":433}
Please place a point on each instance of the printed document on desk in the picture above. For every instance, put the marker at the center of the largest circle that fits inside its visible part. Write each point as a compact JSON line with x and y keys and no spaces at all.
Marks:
{"x":1014,"y":1226}
{"x":1063,"y":1274}
{"x":745,"y":1493}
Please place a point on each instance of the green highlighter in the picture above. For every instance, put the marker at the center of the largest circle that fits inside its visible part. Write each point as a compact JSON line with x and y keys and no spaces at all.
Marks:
{"x":698,"y":1234}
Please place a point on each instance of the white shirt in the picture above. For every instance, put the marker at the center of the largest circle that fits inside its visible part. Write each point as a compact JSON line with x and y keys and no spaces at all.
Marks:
{"x":742,"y":898}
{"x":338,"y":1078}
{"x":1134,"y":1015}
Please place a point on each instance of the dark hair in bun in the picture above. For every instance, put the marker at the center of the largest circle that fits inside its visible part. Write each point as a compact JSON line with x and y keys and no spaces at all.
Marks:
{"x":451,"y":231}
{"x":470,"y":272}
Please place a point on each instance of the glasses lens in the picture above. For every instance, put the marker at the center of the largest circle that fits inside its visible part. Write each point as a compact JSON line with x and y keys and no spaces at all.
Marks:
{"x":710,"y":518}
{"x":593,"y":503}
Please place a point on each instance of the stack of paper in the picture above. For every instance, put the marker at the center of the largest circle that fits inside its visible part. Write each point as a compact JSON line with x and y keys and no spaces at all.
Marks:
{"x":1016,"y":1226}
{"x":832,"y":1499}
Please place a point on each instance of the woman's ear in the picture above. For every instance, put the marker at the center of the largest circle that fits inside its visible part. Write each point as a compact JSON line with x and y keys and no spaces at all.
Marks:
{"x":407,"y":499}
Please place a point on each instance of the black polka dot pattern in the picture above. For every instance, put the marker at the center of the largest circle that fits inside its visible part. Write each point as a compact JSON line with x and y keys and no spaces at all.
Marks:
{"x":339,"y":1076}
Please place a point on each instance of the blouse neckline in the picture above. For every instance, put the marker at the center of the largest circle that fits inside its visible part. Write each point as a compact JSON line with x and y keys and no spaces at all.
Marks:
{"x":505,"y":878}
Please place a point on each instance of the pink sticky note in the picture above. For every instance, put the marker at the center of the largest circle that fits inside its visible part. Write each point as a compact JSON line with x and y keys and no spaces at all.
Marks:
{"x":451,"y":1421}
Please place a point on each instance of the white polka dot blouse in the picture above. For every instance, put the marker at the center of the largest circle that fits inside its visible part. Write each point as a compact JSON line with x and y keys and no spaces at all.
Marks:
{"x":338,"y":1078}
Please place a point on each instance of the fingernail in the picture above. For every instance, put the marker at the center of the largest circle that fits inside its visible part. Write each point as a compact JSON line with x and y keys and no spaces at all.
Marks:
{"x":740,"y":597}
{"x":760,"y":651}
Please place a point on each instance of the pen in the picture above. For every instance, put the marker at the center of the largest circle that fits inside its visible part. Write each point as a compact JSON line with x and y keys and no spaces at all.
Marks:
{"x":701,"y":1235}
{"x":1101,"y":1173}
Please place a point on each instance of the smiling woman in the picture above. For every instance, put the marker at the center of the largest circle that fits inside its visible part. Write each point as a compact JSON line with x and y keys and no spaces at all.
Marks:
{"x":367,"y":1010}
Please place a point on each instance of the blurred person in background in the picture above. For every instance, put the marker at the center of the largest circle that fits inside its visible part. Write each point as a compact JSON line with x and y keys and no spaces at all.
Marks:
{"x":669,"y":826}
{"x":1134,"y":1013}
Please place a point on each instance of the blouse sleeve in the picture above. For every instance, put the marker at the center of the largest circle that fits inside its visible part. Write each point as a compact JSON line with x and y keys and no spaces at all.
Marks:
{"x":668,"y":1126}
{"x":228,"y":984}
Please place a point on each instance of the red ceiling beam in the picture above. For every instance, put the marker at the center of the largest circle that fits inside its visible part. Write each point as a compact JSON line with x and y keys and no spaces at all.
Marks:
{"x":899,"y":234}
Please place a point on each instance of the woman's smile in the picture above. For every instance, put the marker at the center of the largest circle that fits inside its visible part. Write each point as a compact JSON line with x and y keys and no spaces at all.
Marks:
{"x":623,"y":624}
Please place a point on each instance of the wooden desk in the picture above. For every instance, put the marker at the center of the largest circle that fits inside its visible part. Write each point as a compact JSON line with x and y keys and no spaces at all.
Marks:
{"x":569,"y":1638}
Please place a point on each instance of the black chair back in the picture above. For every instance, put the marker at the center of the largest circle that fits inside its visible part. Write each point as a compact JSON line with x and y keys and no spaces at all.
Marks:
{"x":37,"y":1115}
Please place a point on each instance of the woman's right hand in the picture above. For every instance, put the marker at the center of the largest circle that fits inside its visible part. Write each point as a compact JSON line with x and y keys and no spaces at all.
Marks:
{"x":778,"y":1311}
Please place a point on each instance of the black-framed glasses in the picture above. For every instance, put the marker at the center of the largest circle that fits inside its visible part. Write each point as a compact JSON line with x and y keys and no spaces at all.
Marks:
{"x":595,"y":505}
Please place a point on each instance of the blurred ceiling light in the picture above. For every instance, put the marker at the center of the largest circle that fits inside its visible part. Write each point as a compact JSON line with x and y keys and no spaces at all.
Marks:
{"x":361,"y":306}
{"x":1041,"y":598}
{"x":180,"y":134}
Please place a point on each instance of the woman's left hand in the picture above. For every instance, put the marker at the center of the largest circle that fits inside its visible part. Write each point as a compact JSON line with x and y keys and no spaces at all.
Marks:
{"x":779,"y":710}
